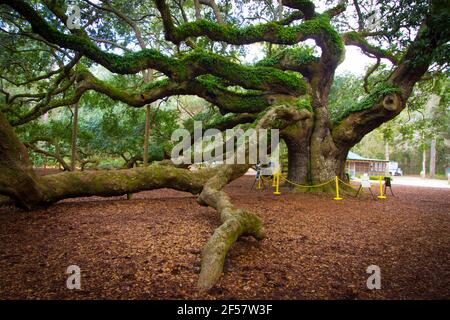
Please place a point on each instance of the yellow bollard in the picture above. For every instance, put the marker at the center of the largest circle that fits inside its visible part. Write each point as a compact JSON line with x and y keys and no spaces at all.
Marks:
{"x":337,"y":190}
{"x":381,"y":196}
{"x":259,"y":183}
{"x":277,"y":185}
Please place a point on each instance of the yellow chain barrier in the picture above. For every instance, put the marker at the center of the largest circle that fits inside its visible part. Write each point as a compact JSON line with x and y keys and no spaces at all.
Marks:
{"x":348,"y":185}
{"x":277,"y":176}
{"x":307,"y":186}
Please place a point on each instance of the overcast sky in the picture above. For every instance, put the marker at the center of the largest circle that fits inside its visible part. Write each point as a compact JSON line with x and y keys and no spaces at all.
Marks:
{"x":355,"y":62}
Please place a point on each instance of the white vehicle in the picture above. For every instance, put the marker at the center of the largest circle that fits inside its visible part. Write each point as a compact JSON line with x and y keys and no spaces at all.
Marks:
{"x":394,"y":169}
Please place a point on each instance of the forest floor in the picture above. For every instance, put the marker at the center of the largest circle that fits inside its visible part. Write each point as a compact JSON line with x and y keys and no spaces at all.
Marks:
{"x":149,"y":247}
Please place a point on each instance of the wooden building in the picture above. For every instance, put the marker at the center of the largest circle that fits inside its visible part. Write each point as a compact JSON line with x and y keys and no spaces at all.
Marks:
{"x":357,"y":165}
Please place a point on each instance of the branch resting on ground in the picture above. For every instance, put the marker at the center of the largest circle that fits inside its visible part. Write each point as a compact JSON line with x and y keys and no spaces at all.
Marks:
{"x":21,"y":184}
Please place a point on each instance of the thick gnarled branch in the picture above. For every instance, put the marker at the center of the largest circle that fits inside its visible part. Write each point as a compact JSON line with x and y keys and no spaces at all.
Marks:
{"x":227,"y":100}
{"x":390,"y":100}
{"x":356,"y":39}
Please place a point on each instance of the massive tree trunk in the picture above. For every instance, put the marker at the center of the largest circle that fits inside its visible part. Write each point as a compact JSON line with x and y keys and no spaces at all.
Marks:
{"x":327,"y":160}
{"x":297,"y":139}
{"x":315,"y":161}
{"x":298,"y":163}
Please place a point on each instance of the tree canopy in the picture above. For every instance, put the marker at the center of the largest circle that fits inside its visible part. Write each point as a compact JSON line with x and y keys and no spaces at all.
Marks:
{"x":102,"y":60}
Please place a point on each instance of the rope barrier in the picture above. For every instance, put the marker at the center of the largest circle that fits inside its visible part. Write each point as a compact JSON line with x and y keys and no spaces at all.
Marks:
{"x":348,"y":185}
{"x":306,"y":186}
{"x":275,"y":179}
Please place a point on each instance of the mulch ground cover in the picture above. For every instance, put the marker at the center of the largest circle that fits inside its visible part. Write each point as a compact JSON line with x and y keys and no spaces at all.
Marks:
{"x":149,"y":247}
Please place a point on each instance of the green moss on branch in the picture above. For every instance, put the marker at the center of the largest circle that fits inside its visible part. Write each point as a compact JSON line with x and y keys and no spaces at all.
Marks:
{"x":378,"y":94}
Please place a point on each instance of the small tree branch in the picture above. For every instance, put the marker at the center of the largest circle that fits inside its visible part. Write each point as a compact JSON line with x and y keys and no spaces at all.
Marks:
{"x":356,"y":39}
{"x":213,"y":5}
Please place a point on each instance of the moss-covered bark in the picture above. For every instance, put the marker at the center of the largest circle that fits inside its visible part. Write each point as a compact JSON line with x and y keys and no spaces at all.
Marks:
{"x":235,"y":222}
{"x":17,"y":178}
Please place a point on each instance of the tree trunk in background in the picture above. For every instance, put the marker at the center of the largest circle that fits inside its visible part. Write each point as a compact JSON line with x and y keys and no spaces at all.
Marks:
{"x":148,"y":77}
{"x":74,"y":137}
{"x":197,"y":7}
{"x":387,"y":151}
{"x":424,"y":162}
{"x":146,"y":135}
{"x":280,"y":10}
{"x":433,"y":158}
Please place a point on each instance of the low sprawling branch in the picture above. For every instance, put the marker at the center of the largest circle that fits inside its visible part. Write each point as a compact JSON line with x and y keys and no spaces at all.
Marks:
{"x":235,"y":222}
{"x":21,"y":185}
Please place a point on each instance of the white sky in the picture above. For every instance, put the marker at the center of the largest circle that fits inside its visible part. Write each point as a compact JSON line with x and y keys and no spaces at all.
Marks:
{"x":355,"y":62}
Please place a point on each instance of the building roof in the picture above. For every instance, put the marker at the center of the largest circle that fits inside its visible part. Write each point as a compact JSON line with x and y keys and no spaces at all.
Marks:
{"x":355,"y":156}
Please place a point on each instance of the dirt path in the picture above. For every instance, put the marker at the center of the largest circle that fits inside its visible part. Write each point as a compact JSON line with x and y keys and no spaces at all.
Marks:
{"x":149,"y":247}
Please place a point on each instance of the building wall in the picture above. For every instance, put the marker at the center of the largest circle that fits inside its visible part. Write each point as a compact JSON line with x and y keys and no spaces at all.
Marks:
{"x":357,"y":167}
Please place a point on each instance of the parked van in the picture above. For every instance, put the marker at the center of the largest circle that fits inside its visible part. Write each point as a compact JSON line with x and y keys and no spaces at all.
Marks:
{"x":394,"y":169}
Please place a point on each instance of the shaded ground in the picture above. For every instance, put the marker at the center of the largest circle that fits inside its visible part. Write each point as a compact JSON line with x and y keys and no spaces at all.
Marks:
{"x":149,"y":247}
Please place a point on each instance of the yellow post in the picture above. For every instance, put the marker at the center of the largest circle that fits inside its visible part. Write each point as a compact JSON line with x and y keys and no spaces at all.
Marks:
{"x":259,"y":183}
{"x":277,"y":185}
{"x":381,"y":196}
{"x":337,"y":189}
